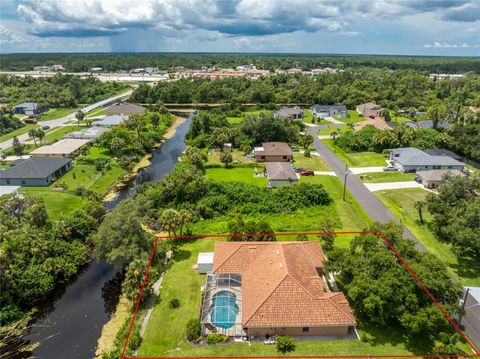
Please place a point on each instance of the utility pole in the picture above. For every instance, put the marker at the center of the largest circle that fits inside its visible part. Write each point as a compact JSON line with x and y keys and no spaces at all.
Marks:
{"x":345,"y":182}
{"x":463,"y":307}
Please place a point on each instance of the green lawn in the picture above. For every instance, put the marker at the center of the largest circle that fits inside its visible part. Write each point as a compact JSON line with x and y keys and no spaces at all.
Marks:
{"x":236,"y":174}
{"x":236,"y":120}
{"x":17,"y":132}
{"x":99,"y":111}
{"x":165,"y":332}
{"x":382,"y":177}
{"x":329,"y":130}
{"x":357,"y":159}
{"x":353,"y":117}
{"x":58,"y":203}
{"x":401,"y":203}
{"x":57,"y":133}
{"x":313,"y":162}
{"x":238,"y":158}
{"x":400,"y":119}
{"x":54,"y":113}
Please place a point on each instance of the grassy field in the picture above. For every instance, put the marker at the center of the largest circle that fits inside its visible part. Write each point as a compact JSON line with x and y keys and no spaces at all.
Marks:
{"x":315,"y":163}
{"x":238,"y":157}
{"x":58,"y":203}
{"x":329,"y":130}
{"x":353,"y":117}
{"x":239,"y":119}
{"x":357,"y":159}
{"x":17,"y":132}
{"x":236,"y":174}
{"x":401,"y":203}
{"x":55,"y":113}
{"x":184,"y":283}
{"x":382,"y":177}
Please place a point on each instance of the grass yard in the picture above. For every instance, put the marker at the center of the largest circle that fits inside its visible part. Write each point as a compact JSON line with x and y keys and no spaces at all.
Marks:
{"x":57,"y":133}
{"x":315,"y":163}
{"x":238,"y":158}
{"x":382,"y":177}
{"x":329,"y":130}
{"x":237,"y":120}
{"x":99,"y":111}
{"x":236,"y":174}
{"x":58,"y":203}
{"x":353,"y":117}
{"x":184,"y":283}
{"x":357,"y":159}
{"x":400,"y":119}
{"x":401,"y":203}
{"x":55,"y":113}
{"x":17,"y":132}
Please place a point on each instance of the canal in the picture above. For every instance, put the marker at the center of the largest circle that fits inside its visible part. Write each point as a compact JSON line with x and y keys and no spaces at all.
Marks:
{"x":70,"y":324}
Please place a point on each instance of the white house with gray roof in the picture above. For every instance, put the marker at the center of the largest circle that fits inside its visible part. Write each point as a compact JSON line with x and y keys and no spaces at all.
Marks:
{"x":35,"y":171}
{"x":280,"y":174}
{"x":411,"y":159}
{"x":323,"y":111}
{"x":289,"y":113}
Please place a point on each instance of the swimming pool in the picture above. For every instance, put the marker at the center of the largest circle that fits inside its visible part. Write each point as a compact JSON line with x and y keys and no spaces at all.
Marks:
{"x":224,"y":309}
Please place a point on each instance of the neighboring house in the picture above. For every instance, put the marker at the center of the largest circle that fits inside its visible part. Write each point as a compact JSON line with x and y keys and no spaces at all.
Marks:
{"x":273,"y":152}
{"x":63,"y":148}
{"x":110,"y":121}
{"x":125,"y":108}
{"x":35,"y":171}
{"x":434,"y":178}
{"x":289,"y":113}
{"x":471,"y":320}
{"x":272,"y":288}
{"x":323,"y":111}
{"x":427,"y":124}
{"x":376,"y":122}
{"x":410,"y":159}
{"x":90,"y":133}
{"x":205,"y":262}
{"x":370,"y":109}
{"x":280,"y":174}
{"x":294,"y":70}
{"x":30,"y":109}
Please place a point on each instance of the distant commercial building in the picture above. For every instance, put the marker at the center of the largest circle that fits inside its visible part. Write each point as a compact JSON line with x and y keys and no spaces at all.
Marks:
{"x":63,"y":148}
{"x":323,"y":111}
{"x":30,"y":109}
{"x":411,"y":159}
{"x":35,"y":171}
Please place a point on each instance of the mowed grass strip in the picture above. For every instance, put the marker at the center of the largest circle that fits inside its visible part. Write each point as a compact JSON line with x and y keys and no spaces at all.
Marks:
{"x":357,"y":159}
{"x":383,"y":177}
{"x":402,"y":204}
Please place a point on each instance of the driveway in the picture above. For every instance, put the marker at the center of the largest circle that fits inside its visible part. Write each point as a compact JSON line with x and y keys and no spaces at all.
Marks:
{"x":392,"y":185}
{"x":358,"y":170}
{"x":375,"y":209}
{"x":62,"y":121}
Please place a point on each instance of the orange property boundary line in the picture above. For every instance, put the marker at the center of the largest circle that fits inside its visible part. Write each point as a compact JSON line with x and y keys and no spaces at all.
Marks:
{"x":378,"y":233}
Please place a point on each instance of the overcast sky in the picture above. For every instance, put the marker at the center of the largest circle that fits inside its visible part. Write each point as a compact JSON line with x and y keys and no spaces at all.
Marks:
{"x":418,"y":27}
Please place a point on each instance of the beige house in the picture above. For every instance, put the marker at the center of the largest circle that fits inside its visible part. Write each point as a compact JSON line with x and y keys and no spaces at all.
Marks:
{"x":272,"y":288}
{"x":370,"y":109}
{"x":273,"y":152}
{"x":63,"y":148}
{"x":434,"y":178}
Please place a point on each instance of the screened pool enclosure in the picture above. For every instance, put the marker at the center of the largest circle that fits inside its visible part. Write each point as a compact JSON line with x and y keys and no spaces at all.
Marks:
{"x":222,"y":305}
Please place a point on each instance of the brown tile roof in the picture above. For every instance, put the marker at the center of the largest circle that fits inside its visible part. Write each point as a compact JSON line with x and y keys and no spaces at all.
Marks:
{"x":280,"y":283}
{"x":378,"y":123}
{"x":276,"y":148}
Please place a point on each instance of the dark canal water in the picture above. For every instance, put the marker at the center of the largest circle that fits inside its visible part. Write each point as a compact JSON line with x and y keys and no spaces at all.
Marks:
{"x":70,"y":324}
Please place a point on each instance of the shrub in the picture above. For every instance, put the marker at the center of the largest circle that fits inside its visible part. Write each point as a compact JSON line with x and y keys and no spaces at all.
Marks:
{"x":79,"y":190}
{"x":285,"y":344}
{"x":135,"y":339}
{"x":365,"y":337}
{"x":174,"y":303}
{"x":194,"y":330}
{"x":216,"y":338}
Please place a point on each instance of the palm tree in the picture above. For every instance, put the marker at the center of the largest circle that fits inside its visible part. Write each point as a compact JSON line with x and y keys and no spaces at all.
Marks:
{"x":184,"y":217}
{"x":246,"y":146}
{"x":80,"y":115}
{"x":32,"y":133}
{"x":449,"y":345}
{"x":40,"y":135}
{"x":419,"y":207}
{"x":334,"y":134}
{"x":170,"y":221}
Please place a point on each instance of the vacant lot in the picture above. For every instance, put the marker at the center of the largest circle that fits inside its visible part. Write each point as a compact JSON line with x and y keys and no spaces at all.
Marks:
{"x":315,"y":163}
{"x":353,"y":117}
{"x":237,"y":156}
{"x":239,"y":119}
{"x":357,"y":159}
{"x":58,"y":203}
{"x":402,"y":204}
{"x":383,"y":177}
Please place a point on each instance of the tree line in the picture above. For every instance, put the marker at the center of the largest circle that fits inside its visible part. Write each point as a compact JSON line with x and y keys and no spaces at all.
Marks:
{"x":80,"y":62}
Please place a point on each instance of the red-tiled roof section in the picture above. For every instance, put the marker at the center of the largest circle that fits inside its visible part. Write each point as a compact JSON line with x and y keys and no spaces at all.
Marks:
{"x":281,"y":285}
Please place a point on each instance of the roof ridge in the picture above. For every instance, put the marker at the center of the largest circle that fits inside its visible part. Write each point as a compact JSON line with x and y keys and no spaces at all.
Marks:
{"x":338,"y":307}
{"x":240,"y":244}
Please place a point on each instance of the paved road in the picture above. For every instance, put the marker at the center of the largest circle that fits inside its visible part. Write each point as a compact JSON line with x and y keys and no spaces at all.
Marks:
{"x":375,"y":209}
{"x":61,"y":121}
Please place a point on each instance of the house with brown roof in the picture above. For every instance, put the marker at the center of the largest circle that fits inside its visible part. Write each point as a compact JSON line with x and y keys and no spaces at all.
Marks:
{"x":272,"y":288}
{"x":375,"y":122}
{"x":273,"y":152}
{"x":370,"y":109}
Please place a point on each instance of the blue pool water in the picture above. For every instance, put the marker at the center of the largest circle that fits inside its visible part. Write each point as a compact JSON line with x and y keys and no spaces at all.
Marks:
{"x":224,"y":309}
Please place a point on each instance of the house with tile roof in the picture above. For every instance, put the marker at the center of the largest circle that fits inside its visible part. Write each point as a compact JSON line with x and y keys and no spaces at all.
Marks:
{"x":272,"y":288}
